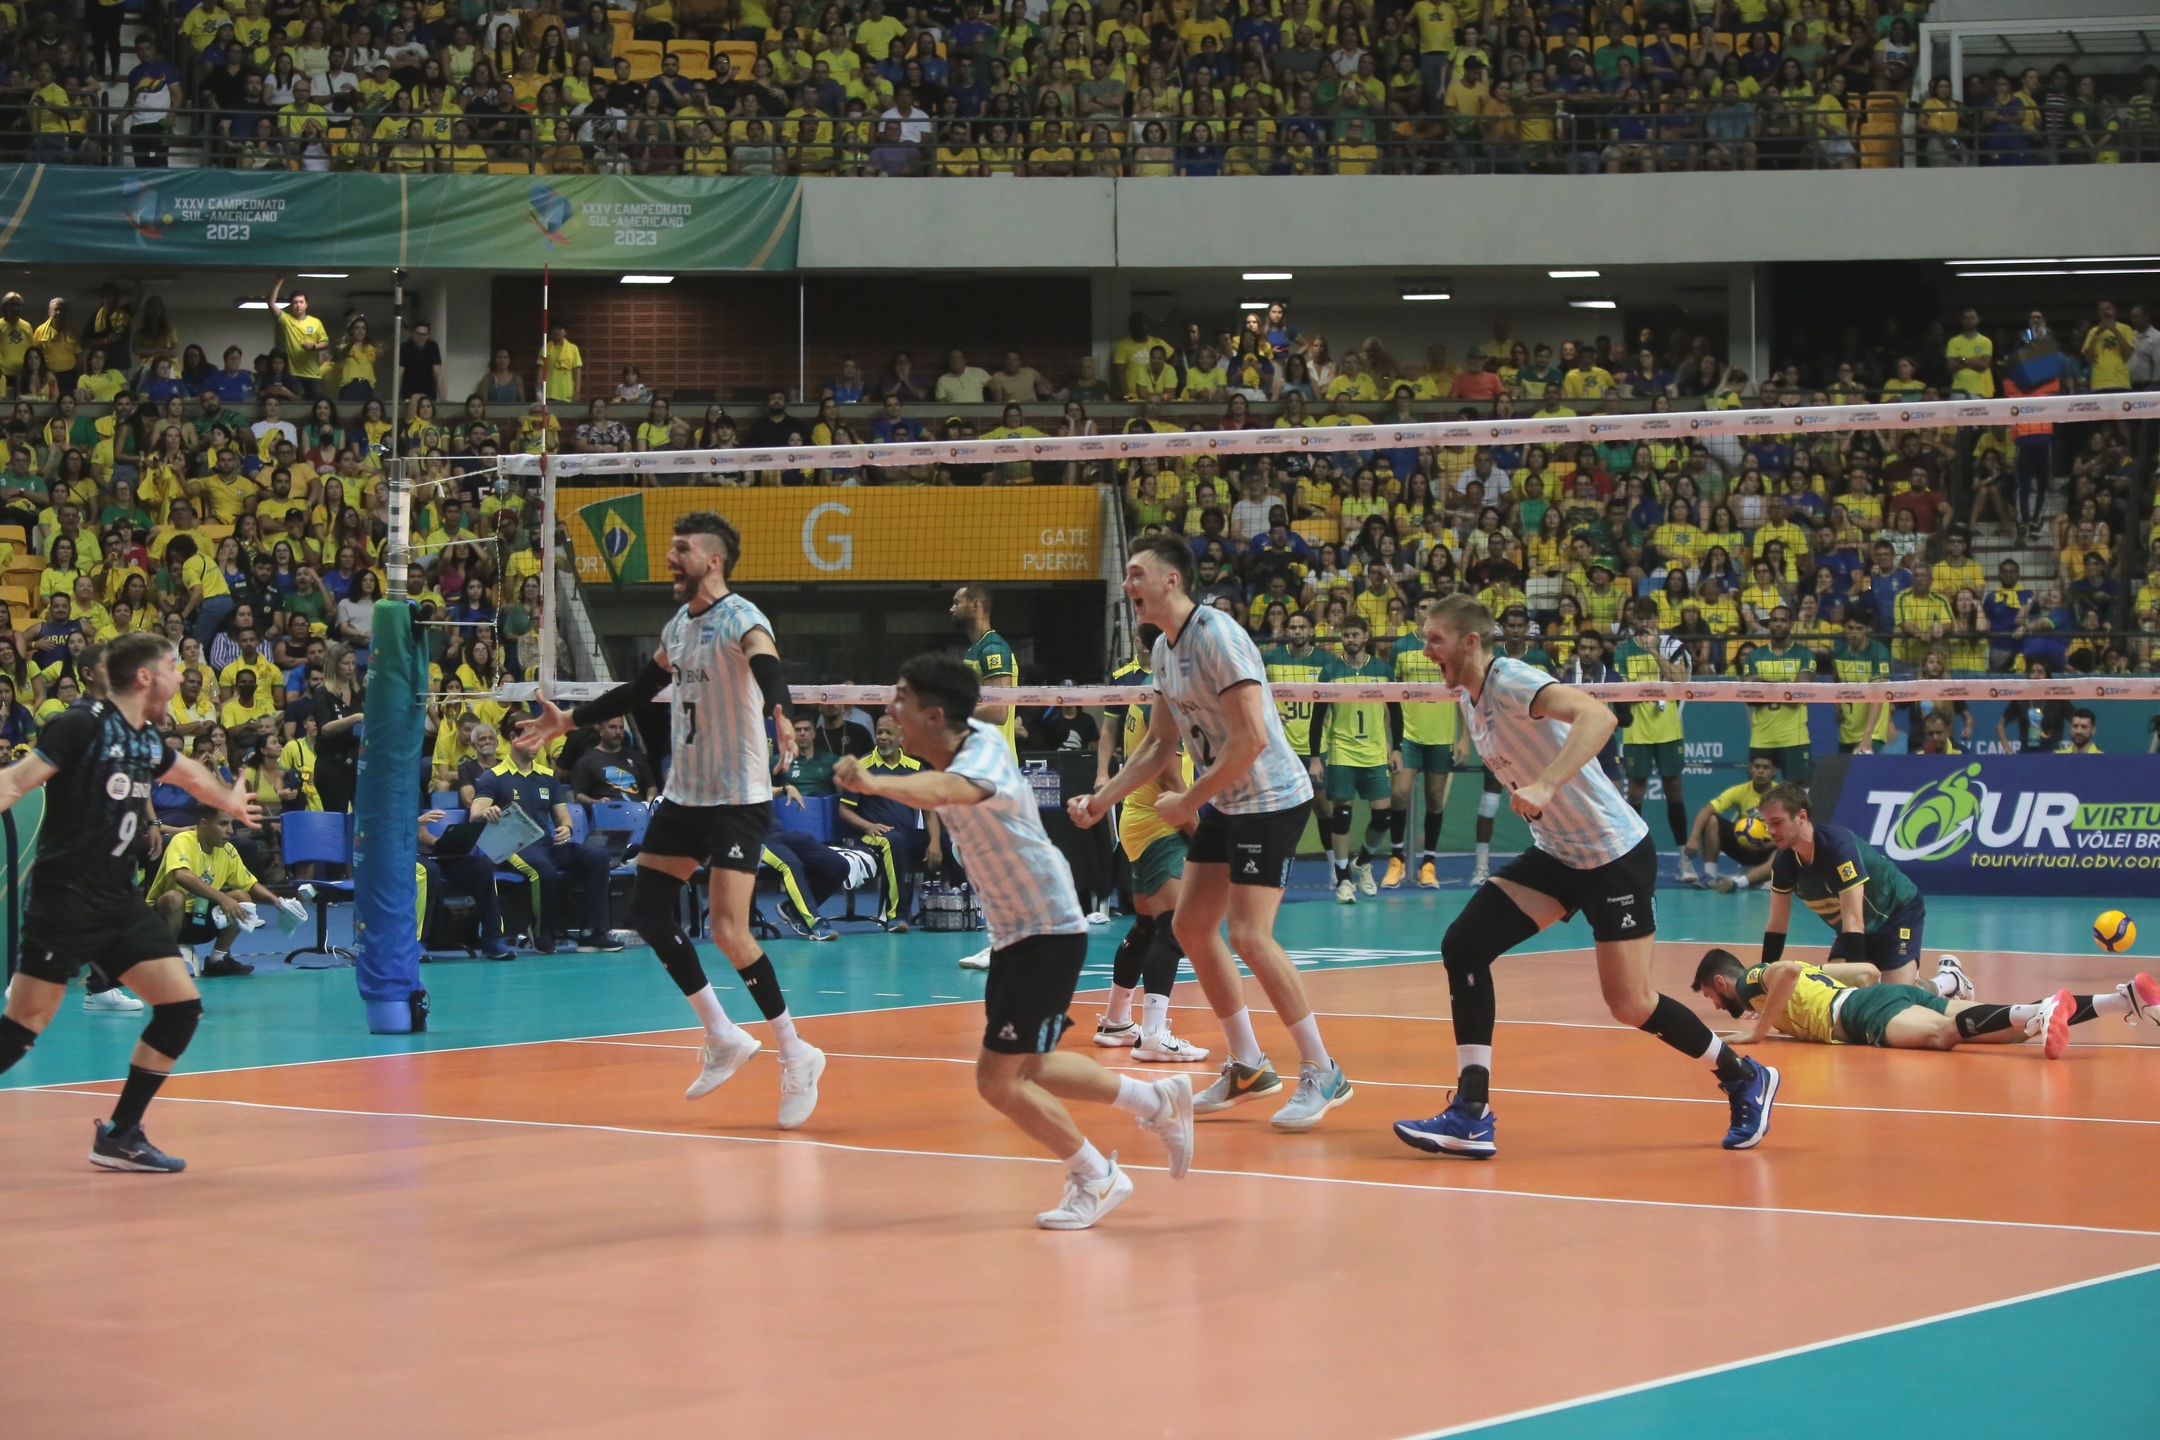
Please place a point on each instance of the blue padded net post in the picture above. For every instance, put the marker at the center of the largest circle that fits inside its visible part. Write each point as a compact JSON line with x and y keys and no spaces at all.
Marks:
{"x":386,"y":825}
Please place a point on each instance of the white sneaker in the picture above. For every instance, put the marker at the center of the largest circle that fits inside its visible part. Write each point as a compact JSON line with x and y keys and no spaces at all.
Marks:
{"x":2143,"y":993}
{"x":1087,"y":1201}
{"x":1097,"y":917}
{"x":1346,"y":892}
{"x":1173,"y":1124}
{"x":980,"y":960}
{"x":1167,"y":1049}
{"x":1480,"y":875}
{"x":1113,"y":1037}
{"x":1951,"y":981}
{"x":1366,"y":885}
{"x":722,"y":1058}
{"x":798,"y":1087}
{"x":113,"y":1002}
{"x":187,"y":958}
{"x":1687,"y":871}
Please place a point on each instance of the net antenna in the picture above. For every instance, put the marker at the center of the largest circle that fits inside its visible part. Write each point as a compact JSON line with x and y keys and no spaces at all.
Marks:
{"x":548,"y":607}
{"x":397,"y":545}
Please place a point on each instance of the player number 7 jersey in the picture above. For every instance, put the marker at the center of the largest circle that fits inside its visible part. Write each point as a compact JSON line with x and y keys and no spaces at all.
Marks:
{"x":717,"y":716}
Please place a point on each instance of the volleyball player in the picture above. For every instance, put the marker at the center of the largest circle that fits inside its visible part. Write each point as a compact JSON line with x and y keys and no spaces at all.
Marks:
{"x":1590,"y":853}
{"x":1147,"y":958}
{"x":1653,"y":738}
{"x":1038,"y":938}
{"x":1874,"y":908}
{"x":995,"y":667}
{"x":1249,"y":800}
{"x":1431,"y":746}
{"x":98,"y":760}
{"x":717,"y":805}
{"x":1356,"y":741}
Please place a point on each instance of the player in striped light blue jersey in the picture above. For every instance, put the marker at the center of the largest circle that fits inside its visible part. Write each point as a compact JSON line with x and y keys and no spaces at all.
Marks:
{"x":1592,"y":853}
{"x":717,"y":807}
{"x":1038,"y":937}
{"x":1248,"y":806}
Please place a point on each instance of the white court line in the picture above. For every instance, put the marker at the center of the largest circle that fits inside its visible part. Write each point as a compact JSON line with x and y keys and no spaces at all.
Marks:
{"x":1497,"y":1089}
{"x":1786,"y":1354}
{"x":1229,"y":1174}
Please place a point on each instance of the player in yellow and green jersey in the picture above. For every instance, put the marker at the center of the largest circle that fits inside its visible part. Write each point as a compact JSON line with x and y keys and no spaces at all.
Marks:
{"x":987,"y":655}
{"x":1780,"y":730}
{"x":1652,"y":738}
{"x":1431,"y":736}
{"x":1717,"y":829}
{"x":1297,"y":663}
{"x":1857,"y":659}
{"x":1357,"y":741}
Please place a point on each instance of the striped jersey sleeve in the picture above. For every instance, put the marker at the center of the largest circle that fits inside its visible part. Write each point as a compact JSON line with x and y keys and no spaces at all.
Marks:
{"x":717,"y":716}
{"x":1211,"y":656}
{"x":1587,"y":823}
{"x":1025,"y":886}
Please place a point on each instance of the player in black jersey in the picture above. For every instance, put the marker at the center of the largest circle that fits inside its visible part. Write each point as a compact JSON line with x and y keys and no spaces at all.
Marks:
{"x":97,"y":760}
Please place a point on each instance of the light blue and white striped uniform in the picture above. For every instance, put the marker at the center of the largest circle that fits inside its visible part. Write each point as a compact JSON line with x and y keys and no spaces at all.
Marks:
{"x":1212,"y":655}
{"x":718,"y":714}
{"x":1587,"y":824}
{"x":1025,"y":886}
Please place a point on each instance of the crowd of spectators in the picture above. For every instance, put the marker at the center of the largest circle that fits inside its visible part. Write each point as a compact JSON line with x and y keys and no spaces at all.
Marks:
{"x":1041,"y":87}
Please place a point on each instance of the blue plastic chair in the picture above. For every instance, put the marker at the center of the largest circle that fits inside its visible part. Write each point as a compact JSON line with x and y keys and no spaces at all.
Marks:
{"x":445,"y":800}
{"x":318,"y":837}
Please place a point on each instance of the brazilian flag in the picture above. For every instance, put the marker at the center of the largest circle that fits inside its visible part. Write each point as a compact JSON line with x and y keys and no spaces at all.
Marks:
{"x":618,"y":529}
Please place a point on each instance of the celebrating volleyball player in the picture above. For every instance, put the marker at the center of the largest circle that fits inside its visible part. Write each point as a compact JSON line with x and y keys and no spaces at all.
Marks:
{"x":1147,"y":958}
{"x":1038,"y":938}
{"x":99,"y":758}
{"x":1592,"y":853}
{"x":717,"y":805}
{"x":1249,"y":799}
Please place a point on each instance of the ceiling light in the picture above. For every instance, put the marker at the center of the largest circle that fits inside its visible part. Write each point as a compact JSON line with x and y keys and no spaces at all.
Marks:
{"x":1252,"y":304}
{"x":1573,"y":274}
{"x":1425,"y":295}
{"x":1593,"y":304}
{"x":2063,"y":260}
{"x":254,"y":305}
{"x":2003,"y":274}
{"x":2029,"y":260}
{"x":1267,"y":275}
{"x":325,"y":275}
{"x":648,"y":279}
{"x":2132,"y":270}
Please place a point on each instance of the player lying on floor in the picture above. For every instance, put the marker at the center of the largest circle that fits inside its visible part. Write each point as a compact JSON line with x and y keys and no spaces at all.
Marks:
{"x":1842,"y":1004}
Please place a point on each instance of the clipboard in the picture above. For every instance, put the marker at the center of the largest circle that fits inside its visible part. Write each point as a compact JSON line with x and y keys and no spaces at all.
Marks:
{"x":501,"y":839}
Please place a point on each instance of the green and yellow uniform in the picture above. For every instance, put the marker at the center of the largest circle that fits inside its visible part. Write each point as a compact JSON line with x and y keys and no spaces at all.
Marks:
{"x":1157,"y":851}
{"x":1285,"y":667}
{"x":992,"y":659}
{"x":1892,"y":911}
{"x":1355,"y":734}
{"x":1857,"y":667}
{"x":1827,"y":1011}
{"x":1780,"y":730}
{"x":1428,"y":726}
{"x":221,"y":869}
{"x":1652,"y":739}
{"x":1732,"y":805}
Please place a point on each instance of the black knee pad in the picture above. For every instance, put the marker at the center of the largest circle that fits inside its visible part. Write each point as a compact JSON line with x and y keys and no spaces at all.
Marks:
{"x":1341,"y":821}
{"x":655,"y":903}
{"x":1488,"y":927}
{"x":171,"y":1027}
{"x":1158,"y":970}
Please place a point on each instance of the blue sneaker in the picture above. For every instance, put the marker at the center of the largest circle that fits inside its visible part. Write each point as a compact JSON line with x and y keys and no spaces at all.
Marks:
{"x":1751,"y":1101}
{"x":130,"y":1149}
{"x":1454,"y":1131}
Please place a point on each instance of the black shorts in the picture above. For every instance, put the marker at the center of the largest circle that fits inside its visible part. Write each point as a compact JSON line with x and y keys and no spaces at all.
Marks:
{"x":1895,"y":943}
{"x":57,"y":940}
{"x":1257,"y":848}
{"x":724,"y":837}
{"x":1030,"y":988}
{"x":1617,"y":898}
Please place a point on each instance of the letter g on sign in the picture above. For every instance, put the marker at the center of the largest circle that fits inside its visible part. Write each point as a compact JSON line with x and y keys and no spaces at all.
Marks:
{"x":813,"y":547}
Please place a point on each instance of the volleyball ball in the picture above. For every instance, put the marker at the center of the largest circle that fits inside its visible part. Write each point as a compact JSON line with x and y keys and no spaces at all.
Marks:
{"x":1752,"y":831}
{"x":2114,"y":932}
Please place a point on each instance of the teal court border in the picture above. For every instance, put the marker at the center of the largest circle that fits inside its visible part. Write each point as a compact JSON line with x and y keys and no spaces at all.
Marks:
{"x":2065,"y":1363}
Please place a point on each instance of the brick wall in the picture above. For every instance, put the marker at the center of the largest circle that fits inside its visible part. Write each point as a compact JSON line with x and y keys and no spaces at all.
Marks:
{"x":724,"y":334}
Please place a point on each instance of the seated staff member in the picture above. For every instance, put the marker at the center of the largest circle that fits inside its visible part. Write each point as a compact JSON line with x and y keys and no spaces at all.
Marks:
{"x":812,"y":872}
{"x":551,"y":863}
{"x":471,"y":874}
{"x":1844,"y":1005}
{"x":910,"y":842}
{"x":1716,"y":829}
{"x":1038,"y":938}
{"x":1876,"y":912}
{"x":200,"y":884}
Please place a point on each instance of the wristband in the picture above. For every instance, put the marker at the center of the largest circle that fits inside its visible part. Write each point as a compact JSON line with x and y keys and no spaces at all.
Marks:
{"x":1850,"y":947}
{"x":1773,"y":946}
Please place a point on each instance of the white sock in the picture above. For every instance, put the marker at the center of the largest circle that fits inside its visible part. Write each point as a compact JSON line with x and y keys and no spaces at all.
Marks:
{"x":785,"y":1040}
{"x":1154,"y":1015}
{"x":1244,"y":1045}
{"x":1138,"y":1098}
{"x":2112,"y":1003}
{"x":1484,"y":854}
{"x":1468,"y":1055}
{"x":2026,"y":1014}
{"x":1945,"y":984}
{"x":1710,"y":1056}
{"x":1120,"y":1012}
{"x":1087,"y":1162}
{"x":711,"y":1016}
{"x":1309,"y":1048}
{"x":1740,"y":881}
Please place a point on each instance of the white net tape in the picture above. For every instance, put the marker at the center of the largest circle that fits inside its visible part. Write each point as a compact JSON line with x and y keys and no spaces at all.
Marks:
{"x":1648,"y":425}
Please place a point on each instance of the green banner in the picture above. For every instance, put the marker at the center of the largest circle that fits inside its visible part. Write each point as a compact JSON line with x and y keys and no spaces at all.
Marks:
{"x":272,"y":219}
{"x":618,"y":530}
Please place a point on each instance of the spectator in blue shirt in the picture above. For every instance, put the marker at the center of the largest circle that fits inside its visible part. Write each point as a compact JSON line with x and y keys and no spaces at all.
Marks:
{"x":235,"y":384}
{"x":153,"y":95}
{"x":1889,"y":580}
